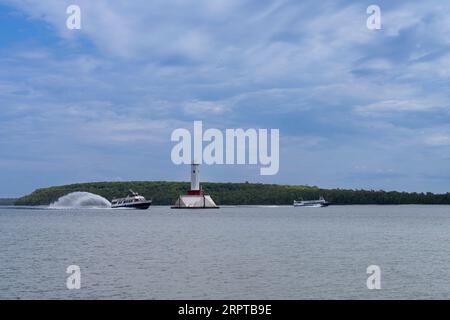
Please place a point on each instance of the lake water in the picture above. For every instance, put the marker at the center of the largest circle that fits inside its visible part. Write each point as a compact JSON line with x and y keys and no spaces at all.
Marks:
{"x":230,"y":253}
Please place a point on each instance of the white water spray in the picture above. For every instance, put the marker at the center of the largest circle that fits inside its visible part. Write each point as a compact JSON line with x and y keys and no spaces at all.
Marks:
{"x":81,"y":200}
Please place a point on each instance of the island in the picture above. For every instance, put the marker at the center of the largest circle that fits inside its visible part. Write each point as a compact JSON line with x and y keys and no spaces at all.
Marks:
{"x":165,"y":193}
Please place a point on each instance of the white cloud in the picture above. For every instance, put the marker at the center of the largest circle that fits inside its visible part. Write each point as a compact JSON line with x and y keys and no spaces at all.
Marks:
{"x":397,"y":106}
{"x":438,"y":140}
{"x":204,"y":108}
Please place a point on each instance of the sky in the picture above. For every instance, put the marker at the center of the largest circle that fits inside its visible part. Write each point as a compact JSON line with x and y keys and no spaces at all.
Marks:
{"x":356,"y":108}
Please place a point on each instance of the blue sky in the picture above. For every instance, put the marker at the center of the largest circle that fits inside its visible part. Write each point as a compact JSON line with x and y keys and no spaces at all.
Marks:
{"x":356,"y":108}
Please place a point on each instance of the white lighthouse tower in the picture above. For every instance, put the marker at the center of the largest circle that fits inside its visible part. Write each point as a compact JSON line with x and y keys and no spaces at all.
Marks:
{"x":195,"y":177}
{"x":195,"y":198}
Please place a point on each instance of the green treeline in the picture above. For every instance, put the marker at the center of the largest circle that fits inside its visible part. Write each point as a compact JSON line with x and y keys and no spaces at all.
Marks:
{"x":7,"y":201}
{"x":165,"y":193}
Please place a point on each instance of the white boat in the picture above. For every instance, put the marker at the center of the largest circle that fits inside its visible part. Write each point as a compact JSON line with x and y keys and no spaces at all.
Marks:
{"x":312,"y":203}
{"x":133,"y":200}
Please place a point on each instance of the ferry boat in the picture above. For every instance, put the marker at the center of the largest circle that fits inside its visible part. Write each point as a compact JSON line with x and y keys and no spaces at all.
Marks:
{"x":312,"y":203}
{"x":133,"y":200}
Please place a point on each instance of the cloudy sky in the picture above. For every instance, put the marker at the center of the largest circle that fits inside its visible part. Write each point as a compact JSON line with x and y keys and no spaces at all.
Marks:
{"x":356,"y":108}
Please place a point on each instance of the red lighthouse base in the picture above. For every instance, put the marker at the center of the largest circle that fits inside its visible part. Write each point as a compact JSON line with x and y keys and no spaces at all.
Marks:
{"x":195,"y":193}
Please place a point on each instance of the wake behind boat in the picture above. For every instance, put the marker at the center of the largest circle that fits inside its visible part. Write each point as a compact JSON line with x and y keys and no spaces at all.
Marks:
{"x":312,"y":203}
{"x":133,"y":200}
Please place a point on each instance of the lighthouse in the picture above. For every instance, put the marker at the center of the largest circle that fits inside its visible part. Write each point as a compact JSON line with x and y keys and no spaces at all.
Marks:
{"x":195,"y":198}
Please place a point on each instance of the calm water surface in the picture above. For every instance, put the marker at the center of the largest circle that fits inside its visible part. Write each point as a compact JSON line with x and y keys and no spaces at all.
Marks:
{"x":230,"y":253}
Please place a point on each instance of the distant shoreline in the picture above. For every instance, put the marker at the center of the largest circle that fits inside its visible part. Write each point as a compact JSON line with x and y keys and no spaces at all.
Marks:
{"x":165,"y":193}
{"x":7,"y":201}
